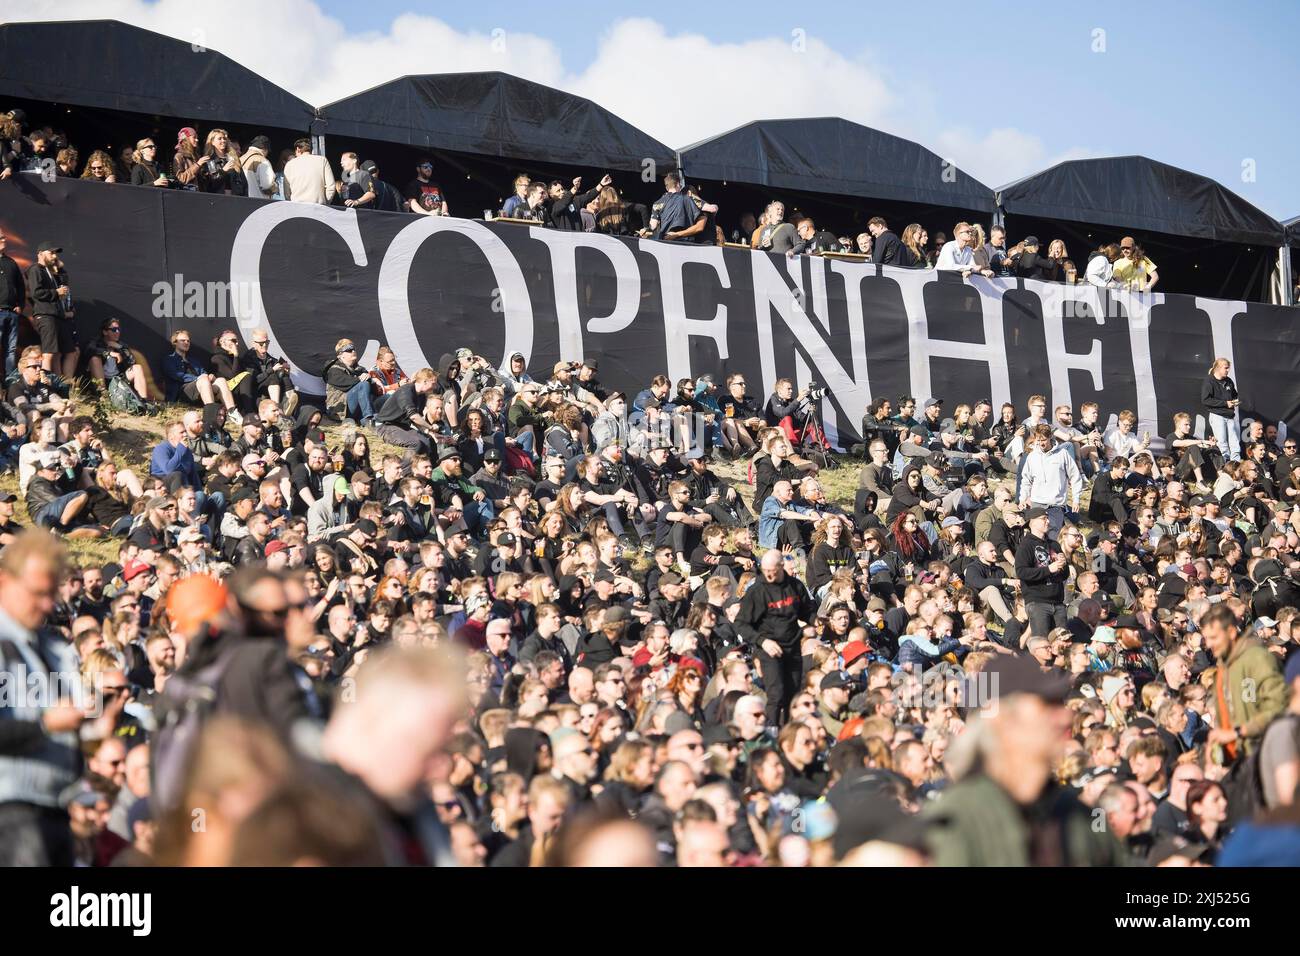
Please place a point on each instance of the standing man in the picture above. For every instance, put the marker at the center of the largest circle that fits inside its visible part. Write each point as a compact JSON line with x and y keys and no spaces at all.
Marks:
{"x":357,"y":190}
{"x":1248,"y":691}
{"x":1010,"y":811}
{"x":673,"y":211}
{"x":1041,"y":571}
{"x":885,"y":245}
{"x":49,"y":313}
{"x":33,"y":823}
{"x":307,"y":177}
{"x":770,"y":620}
{"x":13,"y":293}
{"x":422,"y":195}
{"x":958,"y":254}
{"x":1050,"y":478}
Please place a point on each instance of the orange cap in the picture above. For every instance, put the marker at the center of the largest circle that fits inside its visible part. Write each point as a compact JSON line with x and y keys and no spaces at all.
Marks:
{"x":194,"y":600}
{"x":850,"y":728}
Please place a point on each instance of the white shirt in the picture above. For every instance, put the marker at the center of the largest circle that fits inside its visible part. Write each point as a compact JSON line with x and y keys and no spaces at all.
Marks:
{"x":953,"y":259}
{"x":1117,"y":443}
{"x":1099,"y":272}
{"x":1047,"y":478}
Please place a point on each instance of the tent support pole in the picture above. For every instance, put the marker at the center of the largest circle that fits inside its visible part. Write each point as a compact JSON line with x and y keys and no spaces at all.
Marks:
{"x":318,"y":144}
{"x":1284,"y":276}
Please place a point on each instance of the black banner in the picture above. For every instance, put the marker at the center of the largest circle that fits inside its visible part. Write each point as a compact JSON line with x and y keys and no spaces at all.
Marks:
{"x":163,"y":260}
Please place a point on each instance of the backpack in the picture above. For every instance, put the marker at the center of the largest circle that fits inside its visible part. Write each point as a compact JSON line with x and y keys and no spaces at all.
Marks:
{"x":124,"y":399}
{"x":187,"y":702}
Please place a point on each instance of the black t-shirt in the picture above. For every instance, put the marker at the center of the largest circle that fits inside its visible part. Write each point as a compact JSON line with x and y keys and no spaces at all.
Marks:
{"x":313,"y":481}
{"x":38,"y":394}
{"x":399,"y":408}
{"x":429,"y":194}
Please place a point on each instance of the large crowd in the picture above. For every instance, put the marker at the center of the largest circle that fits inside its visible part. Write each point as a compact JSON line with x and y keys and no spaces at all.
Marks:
{"x":554,"y":620}
{"x":544,"y":628}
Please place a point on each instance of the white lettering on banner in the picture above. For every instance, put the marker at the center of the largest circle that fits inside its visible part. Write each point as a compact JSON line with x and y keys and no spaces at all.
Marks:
{"x":1222,"y":314}
{"x":564,"y":248}
{"x":1138,"y":305}
{"x":394,"y":282}
{"x":246,"y":269}
{"x":922,"y":348}
{"x":672,"y":259}
{"x":1054,"y":297}
{"x":771,"y":291}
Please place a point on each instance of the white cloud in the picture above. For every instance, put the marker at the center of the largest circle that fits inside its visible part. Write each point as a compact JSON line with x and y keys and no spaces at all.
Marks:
{"x":1000,"y":155}
{"x":708,"y":87}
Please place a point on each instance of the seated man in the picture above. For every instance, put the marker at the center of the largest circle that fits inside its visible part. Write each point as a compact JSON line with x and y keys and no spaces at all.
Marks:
{"x":173,"y":462}
{"x":270,"y":372}
{"x":779,"y":521}
{"x":36,"y":394}
{"x":185,"y":380}
{"x":51,"y":505}
{"x":109,"y":359}
{"x":348,"y":385}
{"x":786,"y":410}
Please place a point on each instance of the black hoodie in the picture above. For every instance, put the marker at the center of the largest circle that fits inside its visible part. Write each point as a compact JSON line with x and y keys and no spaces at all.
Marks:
{"x":1038,"y":584}
{"x":772,"y":610}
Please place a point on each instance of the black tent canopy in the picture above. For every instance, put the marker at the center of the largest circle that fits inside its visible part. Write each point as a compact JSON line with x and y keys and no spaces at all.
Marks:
{"x":1134,"y":192}
{"x":1293,"y":232}
{"x":494,"y":114}
{"x":834,"y":156}
{"x":108,"y":65}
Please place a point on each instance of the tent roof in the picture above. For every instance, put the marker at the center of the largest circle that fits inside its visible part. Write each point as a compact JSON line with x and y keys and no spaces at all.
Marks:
{"x":1293,"y":231}
{"x":495,"y":114}
{"x":105,"y":64}
{"x":832,"y":155}
{"x":1134,"y":192}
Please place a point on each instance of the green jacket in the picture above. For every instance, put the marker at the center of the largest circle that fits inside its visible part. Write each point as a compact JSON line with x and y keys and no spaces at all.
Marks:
{"x":460,"y":486}
{"x":1251,"y":685}
{"x":977,"y":823}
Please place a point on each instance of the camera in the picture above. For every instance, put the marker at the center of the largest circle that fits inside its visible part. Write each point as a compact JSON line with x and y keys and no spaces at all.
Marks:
{"x":816,"y":392}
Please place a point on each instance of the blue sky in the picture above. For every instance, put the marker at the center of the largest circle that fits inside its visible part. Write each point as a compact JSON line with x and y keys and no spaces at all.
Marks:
{"x":1199,"y":85}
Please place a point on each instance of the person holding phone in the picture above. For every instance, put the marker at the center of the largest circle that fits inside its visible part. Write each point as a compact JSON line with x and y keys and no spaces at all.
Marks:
{"x":1220,"y":400}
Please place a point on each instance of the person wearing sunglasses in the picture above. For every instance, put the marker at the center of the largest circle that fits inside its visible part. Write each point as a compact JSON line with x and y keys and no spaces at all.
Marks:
{"x":1133,"y":270}
{"x":348,"y":386}
{"x":110,"y":358}
{"x":145,"y":170}
{"x":422,"y":195}
{"x":99,"y":168}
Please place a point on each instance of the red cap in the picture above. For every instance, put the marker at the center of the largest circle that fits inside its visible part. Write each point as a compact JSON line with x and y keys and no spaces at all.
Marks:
{"x":134,"y":568}
{"x":853,"y":650}
{"x":275,"y":547}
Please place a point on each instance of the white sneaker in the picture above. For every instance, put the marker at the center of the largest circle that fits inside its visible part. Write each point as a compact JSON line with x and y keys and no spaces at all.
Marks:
{"x":234,"y":416}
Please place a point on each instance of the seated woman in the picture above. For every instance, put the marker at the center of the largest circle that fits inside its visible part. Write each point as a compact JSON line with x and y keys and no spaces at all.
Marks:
{"x":228,"y":367}
{"x":110,"y":358}
{"x":185,"y":380}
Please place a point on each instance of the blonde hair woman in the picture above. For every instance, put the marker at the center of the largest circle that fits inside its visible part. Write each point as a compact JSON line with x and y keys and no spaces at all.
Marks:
{"x":1221,"y":402}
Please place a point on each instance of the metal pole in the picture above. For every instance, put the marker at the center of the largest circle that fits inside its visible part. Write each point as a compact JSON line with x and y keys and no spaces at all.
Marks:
{"x":1284,"y":275}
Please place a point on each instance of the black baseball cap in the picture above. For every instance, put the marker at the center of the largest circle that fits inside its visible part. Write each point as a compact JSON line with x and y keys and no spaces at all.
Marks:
{"x":1032,"y":513}
{"x":492,"y":454}
{"x":1015,"y":674}
{"x":48,"y":246}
